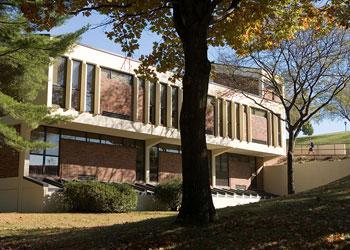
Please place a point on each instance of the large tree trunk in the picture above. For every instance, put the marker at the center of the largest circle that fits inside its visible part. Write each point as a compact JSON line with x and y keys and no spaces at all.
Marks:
{"x":197,"y":205}
{"x":290,"y":157}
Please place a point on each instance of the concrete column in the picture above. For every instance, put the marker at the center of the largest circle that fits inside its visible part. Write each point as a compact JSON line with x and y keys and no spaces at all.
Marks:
{"x":83,"y":87}
{"x":233,"y":120}
{"x":97,"y":90}
{"x":180,"y":100}
{"x":216,"y":118}
{"x":241,"y":122}
{"x":157,"y":104}
{"x":135,"y":94}
{"x":214,"y":153}
{"x":23,"y":166}
{"x":269,"y":128}
{"x":148,"y":145}
{"x":49,"y":86}
{"x":169,"y":106}
{"x":249,"y":124}
{"x":147,"y":100}
{"x":224,"y":118}
{"x":69,"y":84}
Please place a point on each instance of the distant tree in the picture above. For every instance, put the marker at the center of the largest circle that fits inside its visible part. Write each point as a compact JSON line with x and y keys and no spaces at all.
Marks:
{"x":185,"y":29}
{"x":304,"y":74}
{"x":307,"y":128}
{"x":24,"y":59}
{"x":339,"y":107}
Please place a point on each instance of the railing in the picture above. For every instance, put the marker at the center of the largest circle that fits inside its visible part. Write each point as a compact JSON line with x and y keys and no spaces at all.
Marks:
{"x":337,"y":149}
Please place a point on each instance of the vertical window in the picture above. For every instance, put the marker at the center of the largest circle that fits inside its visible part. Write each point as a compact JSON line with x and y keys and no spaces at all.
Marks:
{"x":210,"y":116}
{"x":90,"y":88}
{"x":154,"y":162}
{"x":222,"y":175}
{"x":152,"y":102}
{"x":229,"y":119}
{"x":140,"y":160}
{"x":59,"y":82}
{"x":76,"y":79}
{"x":221,"y":117}
{"x":238,"y":123}
{"x":163,"y":104}
{"x":279,"y":130}
{"x":175,"y":106}
{"x":45,"y":162}
{"x":245,"y":123}
{"x":116,"y":94}
{"x":141,"y":101}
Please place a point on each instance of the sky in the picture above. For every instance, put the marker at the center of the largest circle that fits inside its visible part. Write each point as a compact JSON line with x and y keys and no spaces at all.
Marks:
{"x":97,"y":38}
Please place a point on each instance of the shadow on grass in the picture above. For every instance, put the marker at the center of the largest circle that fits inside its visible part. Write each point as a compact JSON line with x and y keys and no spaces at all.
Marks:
{"x":319,"y":219}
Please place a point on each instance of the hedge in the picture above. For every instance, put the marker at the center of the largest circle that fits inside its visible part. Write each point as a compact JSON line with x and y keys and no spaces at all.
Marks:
{"x":97,"y":197}
{"x":170,"y":193}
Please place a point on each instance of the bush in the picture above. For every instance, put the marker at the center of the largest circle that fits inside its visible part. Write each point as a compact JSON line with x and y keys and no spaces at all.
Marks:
{"x":97,"y":197}
{"x":56,"y":202}
{"x":170,"y":193}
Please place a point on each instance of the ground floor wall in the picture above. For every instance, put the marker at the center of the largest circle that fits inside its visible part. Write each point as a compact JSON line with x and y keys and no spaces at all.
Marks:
{"x":21,"y":197}
{"x":307,"y":175}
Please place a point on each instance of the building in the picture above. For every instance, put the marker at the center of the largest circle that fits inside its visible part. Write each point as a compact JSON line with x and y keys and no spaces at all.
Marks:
{"x":125,"y":129}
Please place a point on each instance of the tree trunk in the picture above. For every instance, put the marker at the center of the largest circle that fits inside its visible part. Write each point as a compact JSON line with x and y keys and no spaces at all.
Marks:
{"x":197,"y":205}
{"x":290,"y":157}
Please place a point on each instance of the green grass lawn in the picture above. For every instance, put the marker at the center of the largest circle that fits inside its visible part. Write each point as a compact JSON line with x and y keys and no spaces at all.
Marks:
{"x":318,"y":219}
{"x":339,"y":137}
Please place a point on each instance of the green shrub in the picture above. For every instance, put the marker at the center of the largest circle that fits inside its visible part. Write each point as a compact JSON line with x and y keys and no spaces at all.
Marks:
{"x":170,"y":193}
{"x":97,"y":197}
{"x":56,"y":202}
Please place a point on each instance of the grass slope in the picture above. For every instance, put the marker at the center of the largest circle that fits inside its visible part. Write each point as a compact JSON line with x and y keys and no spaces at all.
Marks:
{"x":318,"y":219}
{"x":339,"y":137}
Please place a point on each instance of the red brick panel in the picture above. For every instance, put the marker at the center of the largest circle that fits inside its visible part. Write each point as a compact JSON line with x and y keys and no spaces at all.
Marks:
{"x":240,"y":172}
{"x":116,"y":93}
{"x":170,"y":166}
{"x":259,"y":128}
{"x":106,"y":162}
{"x":9,"y":162}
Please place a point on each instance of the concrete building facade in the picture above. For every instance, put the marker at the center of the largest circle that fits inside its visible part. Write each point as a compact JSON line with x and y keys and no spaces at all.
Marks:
{"x":126,"y":129}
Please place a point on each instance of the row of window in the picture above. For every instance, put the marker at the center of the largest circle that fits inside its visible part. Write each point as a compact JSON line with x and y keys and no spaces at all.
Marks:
{"x":116,"y":93}
{"x":117,"y":101}
{"x":47,"y":161}
{"x":258,"y":122}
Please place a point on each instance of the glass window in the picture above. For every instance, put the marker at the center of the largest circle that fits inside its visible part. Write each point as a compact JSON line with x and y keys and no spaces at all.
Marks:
{"x":238,"y":123}
{"x":59,"y":81}
{"x":76,"y":79}
{"x":279,"y":129}
{"x":221,"y":116}
{"x":152,"y":103}
{"x":73,"y":135}
{"x":141,"y":101}
{"x":90,"y":88}
{"x":229,"y":119}
{"x":222,"y":175}
{"x":175,"y":106}
{"x":154,"y":158}
{"x":210,"y":116}
{"x":45,"y":162}
{"x":163,"y":104}
{"x":94,"y":138}
{"x":116,"y":94}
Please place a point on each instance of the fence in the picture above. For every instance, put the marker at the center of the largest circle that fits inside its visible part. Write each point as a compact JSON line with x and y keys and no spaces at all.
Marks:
{"x":337,"y":149}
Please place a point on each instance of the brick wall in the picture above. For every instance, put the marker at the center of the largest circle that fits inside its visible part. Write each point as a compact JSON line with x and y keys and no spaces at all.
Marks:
{"x":9,"y":162}
{"x":259,"y":128}
{"x":170,"y":166}
{"x":240,"y":172}
{"x":106,"y":162}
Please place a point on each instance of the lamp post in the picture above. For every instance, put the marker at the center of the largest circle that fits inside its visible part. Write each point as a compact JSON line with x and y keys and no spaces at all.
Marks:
{"x":345,"y":123}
